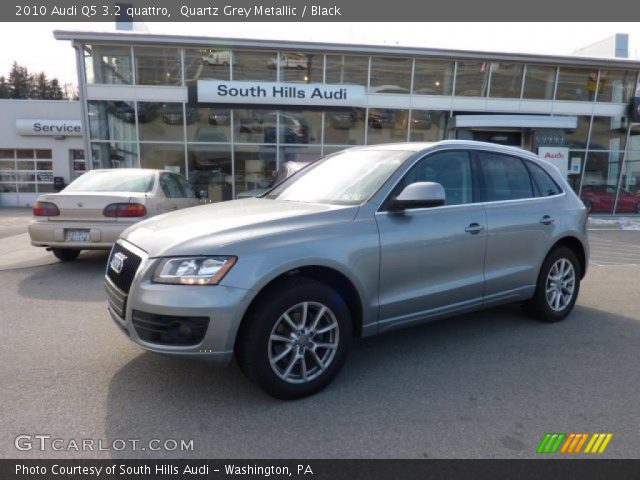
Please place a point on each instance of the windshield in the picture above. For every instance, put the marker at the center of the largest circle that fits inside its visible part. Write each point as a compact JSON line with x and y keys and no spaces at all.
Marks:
{"x":113,"y":181}
{"x":346,"y":178}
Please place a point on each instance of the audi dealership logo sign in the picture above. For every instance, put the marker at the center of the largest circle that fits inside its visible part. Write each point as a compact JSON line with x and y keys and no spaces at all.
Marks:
{"x":51,"y":128}
{"x":275,"y":93}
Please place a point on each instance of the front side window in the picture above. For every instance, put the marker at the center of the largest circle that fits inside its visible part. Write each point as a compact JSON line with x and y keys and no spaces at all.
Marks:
{"x":504,"y":178}
{"x":452,"y":170}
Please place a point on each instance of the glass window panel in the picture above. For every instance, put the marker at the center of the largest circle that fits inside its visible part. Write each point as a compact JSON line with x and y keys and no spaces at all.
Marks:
{"x":206,"y":63}
{"x":163,"y":156}
{"x":8,"y":187}
{"x":77,"y":154}
{"x":24,"y":153}
{"x":577,"y":138}
{"x":254,"y":125}
{"x":386,"y":125}
{"x":45,"y":188}
{"x":7,"y":153}
{"x":115,"y":120}
{"x":433,"y":77}
{"x":114,"y":155}
{"x":472,"y":79}
{"x":301,"y":67}
{"x":390,"y":75}
{"x":506,"y":80}
{"x":299,"y":154}
{"x":208,"y":124}
{"x":539,"y":82}
{"x":7,"y":164}
{"x":209,"y":171}
{"x":346,"y":69}
{"x":299,"y":126}
{"x":608,"y":133}
{"x":428,"y":125}
{"x":576,"y":84}
{"x":255,"y":65}
{"x":255,"y":169}
{"x":344,"y":127}
{"x":157,"y":66}
{"x":7,"y":177}
{"x":26,"y":187}
{"x":44,"y":154}
{"x":616,"y":86}
{"x":25,"y":177}
{"x":162,"y":121}
{"x":25,"y":165}
{"x":108,"y":64}
{"x":600,"y":181}
{"x":44,"y":165}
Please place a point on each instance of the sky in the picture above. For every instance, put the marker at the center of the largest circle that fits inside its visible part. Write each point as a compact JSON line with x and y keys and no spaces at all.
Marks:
{"x":33,"y":45}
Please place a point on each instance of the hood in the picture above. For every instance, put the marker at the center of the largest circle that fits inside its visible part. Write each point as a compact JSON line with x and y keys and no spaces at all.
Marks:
{"x":214,"y":228}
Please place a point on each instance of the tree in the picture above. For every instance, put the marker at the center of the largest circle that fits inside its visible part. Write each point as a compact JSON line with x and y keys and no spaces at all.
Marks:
{"x":19,"y":84}
{"x":4,"y":88}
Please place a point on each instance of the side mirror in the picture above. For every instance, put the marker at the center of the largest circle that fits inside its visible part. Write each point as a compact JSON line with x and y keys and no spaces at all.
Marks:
{"x":420,"y":195}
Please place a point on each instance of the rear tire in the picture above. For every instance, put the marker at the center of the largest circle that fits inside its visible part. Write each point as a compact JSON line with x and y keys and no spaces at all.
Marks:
{"x":296,"y":358}
{"x":65,"y":254}
{"x":557,"y":287}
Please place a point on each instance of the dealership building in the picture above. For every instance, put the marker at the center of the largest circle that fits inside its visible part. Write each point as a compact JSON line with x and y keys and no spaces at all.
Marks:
{"x":41,"y":148}
{"x":227,"y":113}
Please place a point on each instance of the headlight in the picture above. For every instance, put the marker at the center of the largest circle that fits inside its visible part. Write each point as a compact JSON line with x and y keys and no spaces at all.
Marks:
{"x":193,"y":270}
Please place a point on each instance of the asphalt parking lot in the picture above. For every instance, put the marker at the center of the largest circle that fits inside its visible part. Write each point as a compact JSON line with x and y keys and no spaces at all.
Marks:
{"x":485,"y":385}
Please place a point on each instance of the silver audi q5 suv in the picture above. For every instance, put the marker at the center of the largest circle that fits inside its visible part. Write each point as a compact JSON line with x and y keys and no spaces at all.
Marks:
{"x":363,"y":241}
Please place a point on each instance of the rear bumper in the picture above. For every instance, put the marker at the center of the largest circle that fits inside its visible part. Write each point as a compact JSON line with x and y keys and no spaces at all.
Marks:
{"x":52,"y":234}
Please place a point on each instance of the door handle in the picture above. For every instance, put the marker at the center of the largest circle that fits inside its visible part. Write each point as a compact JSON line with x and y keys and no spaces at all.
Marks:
{"x":547,"y":220}
{"x":474,"y":228}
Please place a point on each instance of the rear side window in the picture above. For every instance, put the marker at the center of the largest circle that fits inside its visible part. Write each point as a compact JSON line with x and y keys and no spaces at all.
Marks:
{"x":546,"y":186}
{"x":187,"y":189}
{"x":170,"y":186}
{"x":504,"y":178}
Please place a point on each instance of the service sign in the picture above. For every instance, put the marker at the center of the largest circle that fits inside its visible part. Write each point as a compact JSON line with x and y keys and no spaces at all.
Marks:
{"x":559,"y":156}
{"x":275,"y":93}
{"x":50,"y":128}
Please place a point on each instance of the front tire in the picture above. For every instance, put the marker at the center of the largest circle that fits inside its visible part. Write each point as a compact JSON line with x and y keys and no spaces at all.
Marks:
{"x":557,"y":287}
{"x":65,"y":254}
{"x":295,"y":338}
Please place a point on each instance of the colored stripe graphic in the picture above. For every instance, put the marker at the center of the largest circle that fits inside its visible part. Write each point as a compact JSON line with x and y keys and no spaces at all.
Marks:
{"x":551,"y":442}
{"x":573,"y":443}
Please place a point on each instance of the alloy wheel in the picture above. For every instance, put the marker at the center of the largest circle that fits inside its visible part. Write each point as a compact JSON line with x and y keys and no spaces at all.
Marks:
{"x":560,"y":285}
{"x":303,"y":342}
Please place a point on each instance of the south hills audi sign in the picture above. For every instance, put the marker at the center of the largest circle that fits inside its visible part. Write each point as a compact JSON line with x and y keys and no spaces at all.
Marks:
{"x":276,"y":93}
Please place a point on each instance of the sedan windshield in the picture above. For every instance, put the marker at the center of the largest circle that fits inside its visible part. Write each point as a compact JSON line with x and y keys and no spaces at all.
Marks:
{"x":113,"y":181}
{"x":346,"y":178}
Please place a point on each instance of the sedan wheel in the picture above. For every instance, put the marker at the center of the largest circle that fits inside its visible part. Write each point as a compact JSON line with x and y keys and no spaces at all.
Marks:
{"x":295,"y":338}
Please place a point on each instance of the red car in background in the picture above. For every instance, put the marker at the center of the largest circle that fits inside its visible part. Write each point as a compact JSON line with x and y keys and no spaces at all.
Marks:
{"x":601,"y":199}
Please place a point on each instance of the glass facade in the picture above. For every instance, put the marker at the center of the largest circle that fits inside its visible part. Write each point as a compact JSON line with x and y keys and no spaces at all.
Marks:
{"x":225,"y":150}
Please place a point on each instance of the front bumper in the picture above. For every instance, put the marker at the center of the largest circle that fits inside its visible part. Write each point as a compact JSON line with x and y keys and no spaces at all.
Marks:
{"x":223,"y":306}
{"x":52,"y":234}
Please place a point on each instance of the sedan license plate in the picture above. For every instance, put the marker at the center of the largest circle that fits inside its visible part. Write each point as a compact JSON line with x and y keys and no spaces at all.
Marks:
{"x":77,"y":235}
